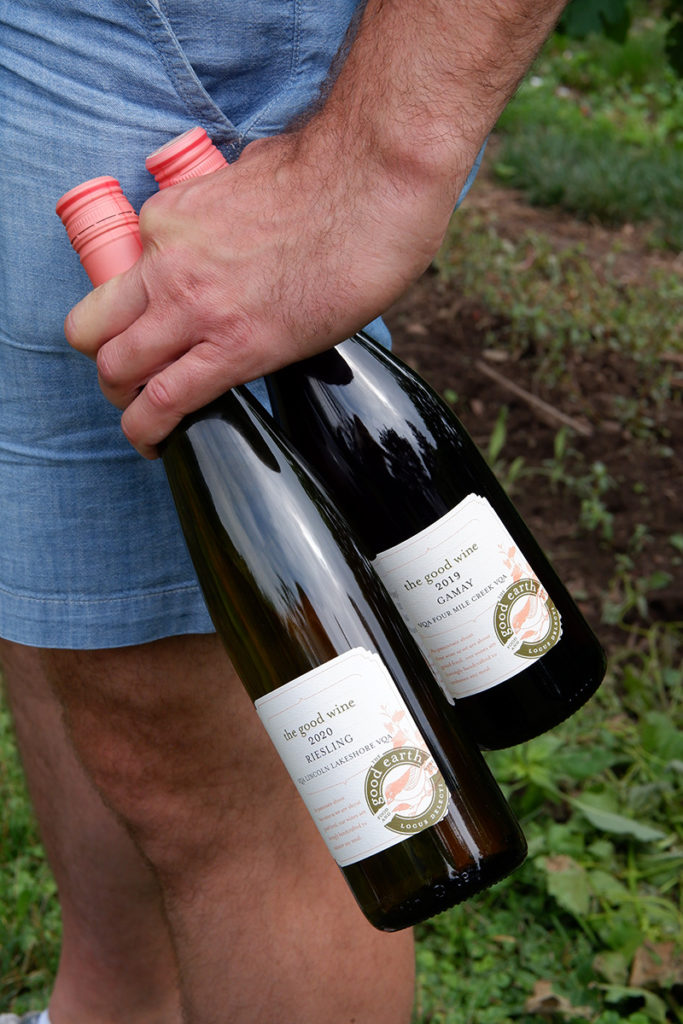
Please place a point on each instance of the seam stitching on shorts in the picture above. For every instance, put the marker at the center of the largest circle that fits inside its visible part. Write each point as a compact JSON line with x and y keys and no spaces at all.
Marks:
{"x":71,"y":599}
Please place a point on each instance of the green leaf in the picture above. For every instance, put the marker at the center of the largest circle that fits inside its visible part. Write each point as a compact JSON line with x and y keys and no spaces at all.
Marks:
{"x":580,"y":764}
{"x":659,"y":579}
{"x":567,"y":881}
{"x":655,"y":1007}
{"x":608,"y":887}
{"x":498,"y":435}
{"x":612,"y":965}
{"x":660,"y":735}
{"x":617,"y":824}
{"x":620,"y":933}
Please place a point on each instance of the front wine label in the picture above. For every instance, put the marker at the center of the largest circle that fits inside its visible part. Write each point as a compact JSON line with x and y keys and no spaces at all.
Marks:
{"x":356,"y":756}
{"x":470,"y":598}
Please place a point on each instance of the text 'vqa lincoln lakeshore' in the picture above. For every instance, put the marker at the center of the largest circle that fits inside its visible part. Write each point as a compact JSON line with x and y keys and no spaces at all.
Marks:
{"x":401,"y":795}
{"x":502,"y":634}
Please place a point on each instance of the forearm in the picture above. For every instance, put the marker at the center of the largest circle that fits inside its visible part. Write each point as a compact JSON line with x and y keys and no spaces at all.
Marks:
{"x":425,"y":81}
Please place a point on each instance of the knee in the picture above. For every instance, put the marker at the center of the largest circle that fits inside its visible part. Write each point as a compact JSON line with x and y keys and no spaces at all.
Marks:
{"x":142,"y":729}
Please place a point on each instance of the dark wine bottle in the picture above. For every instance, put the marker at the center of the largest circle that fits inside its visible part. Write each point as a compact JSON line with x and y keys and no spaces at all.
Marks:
{"x":501,"y":632}
{"x":404,"y":800}
{"x":498,"y":627}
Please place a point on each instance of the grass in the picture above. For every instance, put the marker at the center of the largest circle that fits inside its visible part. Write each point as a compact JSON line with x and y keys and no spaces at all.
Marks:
{"x":556,"y":303}
{"x":597,"y":128}
{"x":29,"y":917}
{"x":590,"y":927}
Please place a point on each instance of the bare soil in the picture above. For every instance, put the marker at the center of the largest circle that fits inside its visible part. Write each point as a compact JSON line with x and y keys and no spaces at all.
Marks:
{"x":447,"y":338}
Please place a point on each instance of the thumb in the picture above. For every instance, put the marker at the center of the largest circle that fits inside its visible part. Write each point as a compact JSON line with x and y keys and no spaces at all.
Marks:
{"x":105,"y":312}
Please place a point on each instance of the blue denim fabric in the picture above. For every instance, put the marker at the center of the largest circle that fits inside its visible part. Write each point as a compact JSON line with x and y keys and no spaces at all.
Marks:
{"x":91,"y":553}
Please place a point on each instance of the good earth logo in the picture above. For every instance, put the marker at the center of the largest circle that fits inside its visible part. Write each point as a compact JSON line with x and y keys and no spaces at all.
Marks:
{"x":526,"y":621}
{"x":405,"y":790}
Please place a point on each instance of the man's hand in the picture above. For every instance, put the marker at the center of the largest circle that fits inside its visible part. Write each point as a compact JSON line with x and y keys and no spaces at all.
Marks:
{"x":311,"y":234}
{"x":280,"y":255}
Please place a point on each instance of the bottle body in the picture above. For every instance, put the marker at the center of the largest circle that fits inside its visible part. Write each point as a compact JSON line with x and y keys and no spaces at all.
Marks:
{"x":499,"y":629}
{"x":403,"y":799}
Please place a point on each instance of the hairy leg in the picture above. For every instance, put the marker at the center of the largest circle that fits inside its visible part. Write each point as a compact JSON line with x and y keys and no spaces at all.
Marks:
{"x":116,"y":962}
{"x":264,"y":926}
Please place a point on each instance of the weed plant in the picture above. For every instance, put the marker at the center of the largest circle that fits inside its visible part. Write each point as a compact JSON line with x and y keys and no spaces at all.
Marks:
{"x":29,"y":917}
{"x":597,"y":129}
{"x":555,"y":302}
{"x":590,"y":927}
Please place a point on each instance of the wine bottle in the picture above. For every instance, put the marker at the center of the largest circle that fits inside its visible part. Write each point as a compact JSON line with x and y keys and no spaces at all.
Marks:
{"x":495,"y":622}
{"x":501,"y":632}
{"x":403,"y":799}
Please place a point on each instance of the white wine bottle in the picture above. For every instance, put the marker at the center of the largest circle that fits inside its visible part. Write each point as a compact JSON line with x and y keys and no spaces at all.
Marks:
{"x":501,"y":632}
{"x":403,"y":799}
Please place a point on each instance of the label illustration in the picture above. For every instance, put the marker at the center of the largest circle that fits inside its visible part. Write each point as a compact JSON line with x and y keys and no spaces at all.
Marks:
{"x":405,"y":791}
{"x":526,"y":621}
{"x":471,"y":599}
{"x":356,"y":755}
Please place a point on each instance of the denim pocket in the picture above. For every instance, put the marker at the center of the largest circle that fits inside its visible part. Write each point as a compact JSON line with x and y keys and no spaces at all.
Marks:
{"x":241,"y":53}
{"x":246,"y":68}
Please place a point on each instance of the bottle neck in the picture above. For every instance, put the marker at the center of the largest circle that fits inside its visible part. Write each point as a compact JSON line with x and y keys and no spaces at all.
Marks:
{"x":102,"y":227}
{"x":189,"y":155}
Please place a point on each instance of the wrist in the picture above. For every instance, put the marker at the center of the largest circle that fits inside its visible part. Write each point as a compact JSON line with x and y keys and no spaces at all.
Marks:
{"x":423,"y":84}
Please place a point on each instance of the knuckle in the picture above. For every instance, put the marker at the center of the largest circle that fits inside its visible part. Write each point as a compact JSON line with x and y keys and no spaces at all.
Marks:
{"x":153,"y":217}
{"x":107,"y":367}
{"x":159,"y":394}
{"x":189,"y":286}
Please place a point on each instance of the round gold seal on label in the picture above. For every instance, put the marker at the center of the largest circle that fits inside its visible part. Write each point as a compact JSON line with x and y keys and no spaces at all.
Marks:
{"x":405,"y":790}
{"x":526,"y":621}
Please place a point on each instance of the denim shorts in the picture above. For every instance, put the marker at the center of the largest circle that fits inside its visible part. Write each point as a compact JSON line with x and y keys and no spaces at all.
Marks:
{"x":91,"y":554}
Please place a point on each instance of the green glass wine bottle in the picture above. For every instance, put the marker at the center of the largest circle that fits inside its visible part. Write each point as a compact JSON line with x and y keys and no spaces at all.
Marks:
{"x":403,"y":799}
{"x":500,"y":630}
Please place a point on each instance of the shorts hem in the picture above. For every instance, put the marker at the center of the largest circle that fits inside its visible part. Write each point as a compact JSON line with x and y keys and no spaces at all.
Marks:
{"x":93,"y":624}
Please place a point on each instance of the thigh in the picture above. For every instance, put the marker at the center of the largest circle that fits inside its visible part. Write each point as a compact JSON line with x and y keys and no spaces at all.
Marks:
{"x":172,"y":740}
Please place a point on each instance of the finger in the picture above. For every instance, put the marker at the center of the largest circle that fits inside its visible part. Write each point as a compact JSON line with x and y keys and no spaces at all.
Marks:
{"x":106,"y":312}
{"x":163,"y":402}
{"x":126,"y":363}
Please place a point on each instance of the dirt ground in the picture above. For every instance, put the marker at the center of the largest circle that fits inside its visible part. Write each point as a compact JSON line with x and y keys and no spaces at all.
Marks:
{"x":444,"y":336}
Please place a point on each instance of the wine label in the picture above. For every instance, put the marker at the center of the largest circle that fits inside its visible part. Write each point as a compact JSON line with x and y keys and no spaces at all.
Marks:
{"x":470,"y":598}
{"x":355,"y":754}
